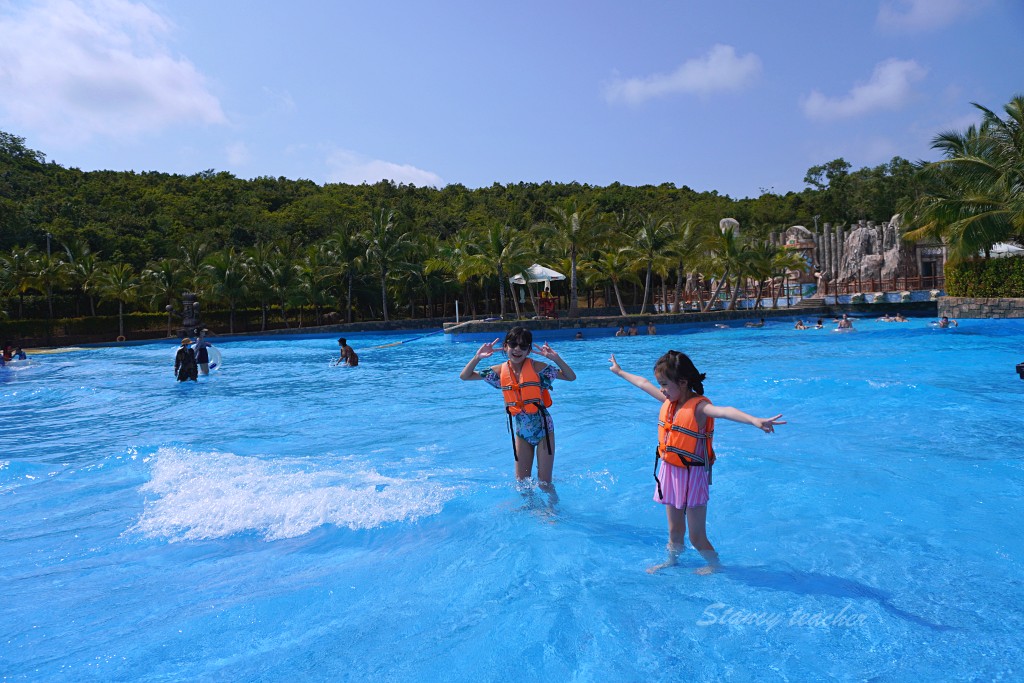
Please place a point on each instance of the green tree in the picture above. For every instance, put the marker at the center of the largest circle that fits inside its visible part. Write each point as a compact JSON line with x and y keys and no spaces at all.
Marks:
{"x":228,"y":277}
{"x":974,"y":197}
{"x":386,"y":248}
{"x":118,"y":282}
{"x":573,"y":225}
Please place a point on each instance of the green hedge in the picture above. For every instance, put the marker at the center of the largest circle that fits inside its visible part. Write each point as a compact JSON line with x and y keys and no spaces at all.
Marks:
{"x":986,"y":278}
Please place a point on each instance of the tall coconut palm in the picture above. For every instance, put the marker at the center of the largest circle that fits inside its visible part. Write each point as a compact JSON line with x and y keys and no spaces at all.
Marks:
{"x":572,"y":227}
{"x":651,"y":239}
{"x":84,"y":266}
{"x":118,"y":282}
{"x":228,"y":275}
{"x":347,"y":261}
{"x":975,"y":196}
{"x":50,"y":271}
{"x":689,"y":249}
{"x":452,"y":258}
{"x":611,"y":265}
{"x":726,"y":258}
{"x":259,"y":276}
{"x":502,"y":251}
{"x":19,"y":269}
{"x":386,"y":246}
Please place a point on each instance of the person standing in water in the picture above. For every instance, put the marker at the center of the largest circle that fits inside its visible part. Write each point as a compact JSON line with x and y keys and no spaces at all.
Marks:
{"x":185,"y":367}
{"x":686,"y":428}
{"x":526,"y":385}
{"x":202,"y":355}
{"x":347,"y":355}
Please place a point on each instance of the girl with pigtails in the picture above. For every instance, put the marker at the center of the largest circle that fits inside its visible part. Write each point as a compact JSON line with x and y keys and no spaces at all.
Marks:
{"x":685,"y":453}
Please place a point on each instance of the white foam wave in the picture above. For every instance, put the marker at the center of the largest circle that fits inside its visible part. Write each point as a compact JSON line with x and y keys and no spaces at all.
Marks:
{"x":202,"y":496}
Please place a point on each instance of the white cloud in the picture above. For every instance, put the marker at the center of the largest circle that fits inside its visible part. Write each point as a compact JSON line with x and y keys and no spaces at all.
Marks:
{"x":71,"y":70}
{"x":922,"y":15}
{"x":889,"y":88}
{"x":720,"y":69}
{"x":345,"y":166}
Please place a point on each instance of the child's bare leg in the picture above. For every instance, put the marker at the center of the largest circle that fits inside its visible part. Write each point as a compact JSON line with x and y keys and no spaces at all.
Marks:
{"x":545,"y":462}
{"x":676,"y":538}
{"x":697,"y":519}
{"x":524,"y":462}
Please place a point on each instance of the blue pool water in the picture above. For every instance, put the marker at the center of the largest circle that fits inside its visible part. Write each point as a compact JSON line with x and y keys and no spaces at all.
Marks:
{"x":286,"y":520}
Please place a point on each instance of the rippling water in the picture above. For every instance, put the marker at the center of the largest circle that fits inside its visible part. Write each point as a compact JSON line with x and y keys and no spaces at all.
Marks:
{"x":284,"y":519}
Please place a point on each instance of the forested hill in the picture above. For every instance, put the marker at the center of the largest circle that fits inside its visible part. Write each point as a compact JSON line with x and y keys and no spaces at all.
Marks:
{"x":136,"y":218}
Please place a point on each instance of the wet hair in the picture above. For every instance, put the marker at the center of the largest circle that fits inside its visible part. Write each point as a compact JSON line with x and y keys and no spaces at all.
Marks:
{"x":519,"y":335}
{"x":342,"y":341}
{"x":677,"y":367}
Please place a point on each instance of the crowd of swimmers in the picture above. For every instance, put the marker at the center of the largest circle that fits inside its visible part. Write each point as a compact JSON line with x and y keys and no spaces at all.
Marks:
{"x":633,"y":331}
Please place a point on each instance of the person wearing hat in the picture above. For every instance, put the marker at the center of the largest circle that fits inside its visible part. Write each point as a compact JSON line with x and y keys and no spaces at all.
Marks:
{"x":185,"y":367}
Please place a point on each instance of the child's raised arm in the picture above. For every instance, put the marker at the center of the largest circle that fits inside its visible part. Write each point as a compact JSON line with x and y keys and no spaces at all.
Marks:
{"x":564,"y":371}
{"x":469,"y":372}
{"x":765,"y":424}
{"x":637,"y":381}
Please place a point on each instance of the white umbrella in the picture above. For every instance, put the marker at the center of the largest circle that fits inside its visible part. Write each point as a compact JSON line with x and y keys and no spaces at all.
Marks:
{"x":536,"y":273}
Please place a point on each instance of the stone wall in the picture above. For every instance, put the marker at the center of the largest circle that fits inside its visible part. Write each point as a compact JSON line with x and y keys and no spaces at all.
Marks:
{"x":963,"y":307}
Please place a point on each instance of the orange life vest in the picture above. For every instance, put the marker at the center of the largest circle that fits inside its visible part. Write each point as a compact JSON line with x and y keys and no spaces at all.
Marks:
{"x":524,"y":394}
{"x":680,"y":441}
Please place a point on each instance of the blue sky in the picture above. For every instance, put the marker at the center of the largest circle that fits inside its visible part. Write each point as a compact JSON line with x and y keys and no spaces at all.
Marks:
{"x":737,"y":96}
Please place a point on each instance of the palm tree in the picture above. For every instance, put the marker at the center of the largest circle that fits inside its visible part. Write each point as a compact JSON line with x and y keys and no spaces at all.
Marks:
{"x":50,"y":271}
{"x":975,"y":196}
{"x":689,"y":249}
{"x":83,"y":266}
{"x":259,"y":271}
{"x":503,"y":251}
{"x":573,"y":227}
{"x":19,"y":269}
{"x":314,"y":274}
{"x":193,"y":253}
{"x":611,"y":264}
{"x":386,"y":246}
{"x":118,"y":282}
{"x":725,"y":259}
{"x":347,"y":259}
{"x":228,"y":276}
{"x":651,"y":241}
{"x":452,"y":258}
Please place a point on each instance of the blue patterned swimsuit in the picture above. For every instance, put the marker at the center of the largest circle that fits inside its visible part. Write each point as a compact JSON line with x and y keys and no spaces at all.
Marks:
{"x":528,"y":426}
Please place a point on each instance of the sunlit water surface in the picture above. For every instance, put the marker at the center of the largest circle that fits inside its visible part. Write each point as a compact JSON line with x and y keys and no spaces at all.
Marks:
{"x":287,"y":520}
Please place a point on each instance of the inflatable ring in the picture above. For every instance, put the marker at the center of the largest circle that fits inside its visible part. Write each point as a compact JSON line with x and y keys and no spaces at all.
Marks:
{"x":120,"y":338}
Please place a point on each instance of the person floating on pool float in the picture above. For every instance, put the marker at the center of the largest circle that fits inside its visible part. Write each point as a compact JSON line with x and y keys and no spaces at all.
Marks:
{"x":525,"y":384}
{"x":347,"y":355}
{"x":757,"y":324}
{"x":946,"y":322}
{"x":185,"y":367}
{"x":686,"y":428}
{"x":202,"y":354}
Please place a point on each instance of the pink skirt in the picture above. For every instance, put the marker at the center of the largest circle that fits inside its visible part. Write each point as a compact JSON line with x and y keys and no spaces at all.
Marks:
{"x":683,"y":487}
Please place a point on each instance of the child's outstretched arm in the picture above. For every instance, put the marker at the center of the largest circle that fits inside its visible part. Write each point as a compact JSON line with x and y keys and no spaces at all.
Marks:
{"x":469,"y":372}
{"x":637,"y":381}
{"x":765,"y":424}
{"x":564,"y":371}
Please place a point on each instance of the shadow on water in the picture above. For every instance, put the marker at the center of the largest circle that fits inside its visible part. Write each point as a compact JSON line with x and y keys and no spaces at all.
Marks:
{"x":813,"y":583}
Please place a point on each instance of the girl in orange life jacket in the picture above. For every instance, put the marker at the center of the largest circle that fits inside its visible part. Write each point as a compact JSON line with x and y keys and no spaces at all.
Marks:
{"x":686,"y":429}
{"x":525,"y":384}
